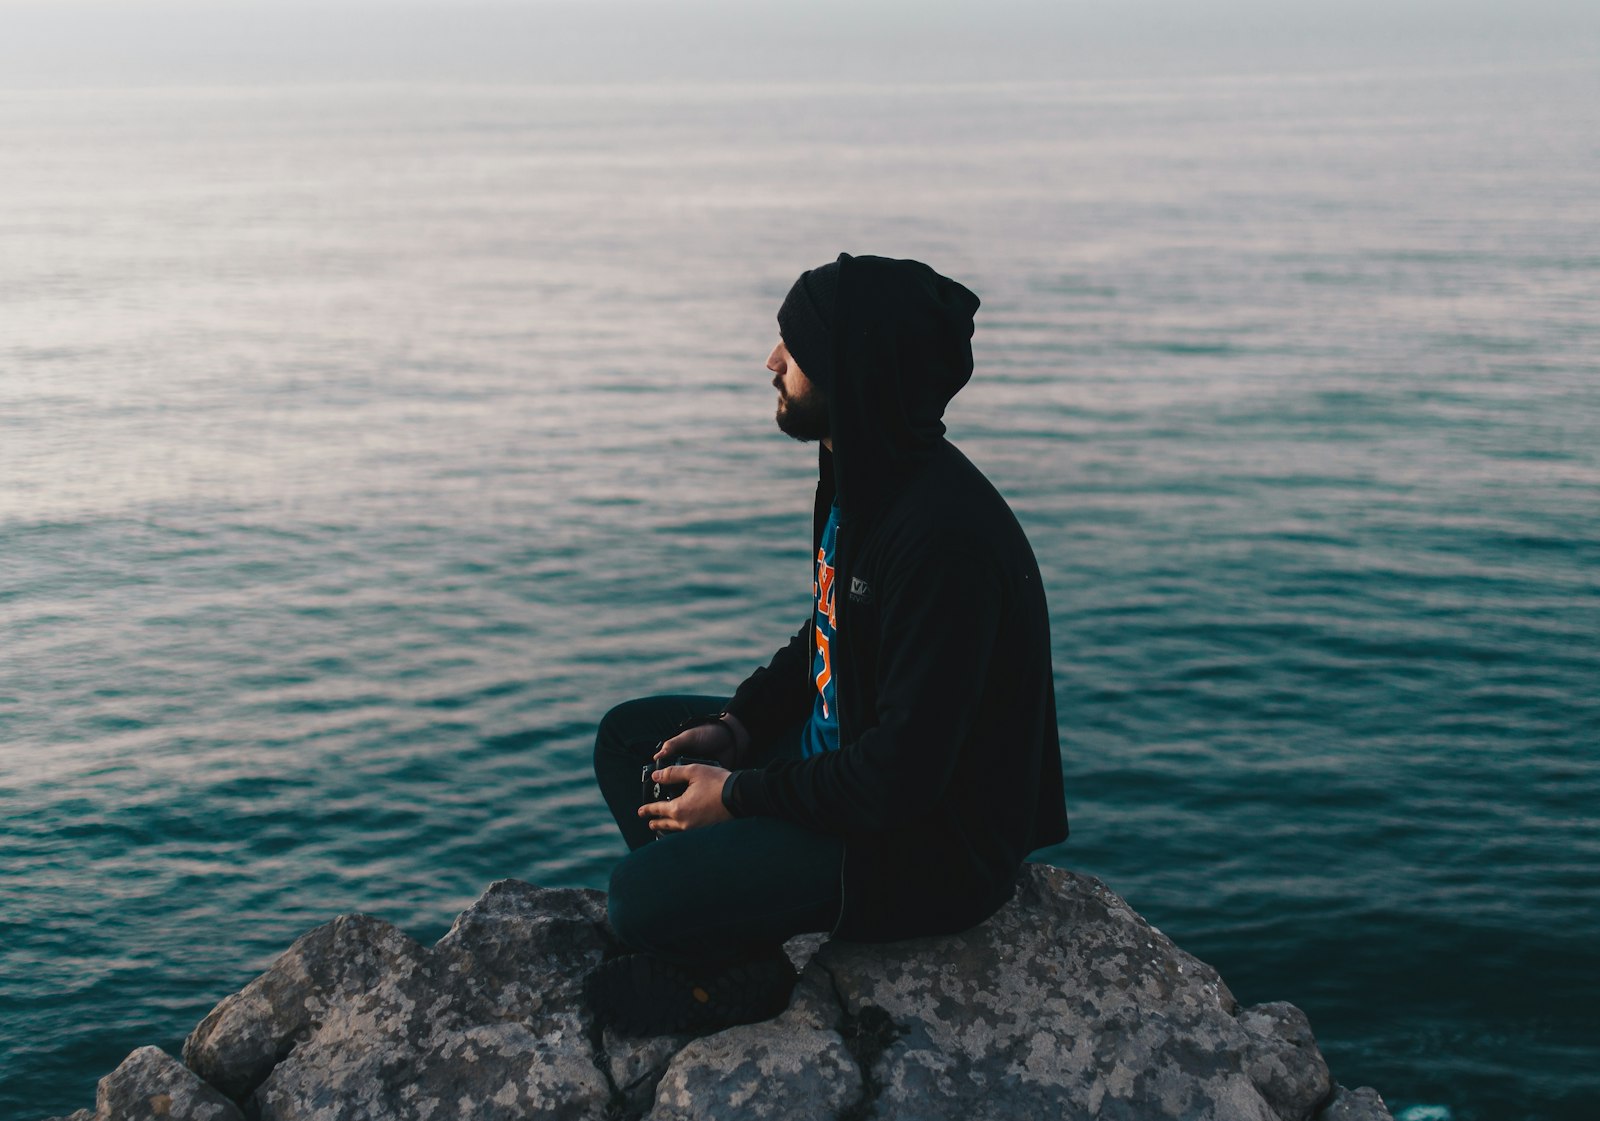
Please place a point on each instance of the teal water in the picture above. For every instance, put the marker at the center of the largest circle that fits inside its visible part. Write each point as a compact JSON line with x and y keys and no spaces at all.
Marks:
{"x":361,"y":445}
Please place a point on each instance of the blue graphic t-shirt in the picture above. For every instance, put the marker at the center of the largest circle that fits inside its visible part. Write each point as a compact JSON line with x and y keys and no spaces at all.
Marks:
{"x":822,"y":732}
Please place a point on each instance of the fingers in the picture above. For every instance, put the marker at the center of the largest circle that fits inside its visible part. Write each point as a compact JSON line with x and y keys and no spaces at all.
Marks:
{"x":678,"y":772}
{"x":677,"y":814}
{"x":702,"y":740}
{"x":660,"y":816}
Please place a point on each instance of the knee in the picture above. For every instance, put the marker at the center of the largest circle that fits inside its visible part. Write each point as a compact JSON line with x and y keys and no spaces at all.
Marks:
{"x":617,"y":729}
{"x":610,"y":728}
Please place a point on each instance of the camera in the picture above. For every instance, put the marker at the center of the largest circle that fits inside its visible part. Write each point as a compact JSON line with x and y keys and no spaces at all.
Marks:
{"x":666,"y":791}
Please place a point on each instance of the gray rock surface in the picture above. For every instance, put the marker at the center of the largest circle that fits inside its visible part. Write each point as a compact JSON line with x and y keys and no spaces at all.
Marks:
{"x":151,"y":1084}
{"x":1355,"y":1105}
{"x":1066,"y":1004}
{"x":797,"y":1066}
{"x":357,"y":1021}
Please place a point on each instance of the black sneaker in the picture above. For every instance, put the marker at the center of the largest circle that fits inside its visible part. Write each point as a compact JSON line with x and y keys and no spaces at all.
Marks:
{"x":641,"y":994}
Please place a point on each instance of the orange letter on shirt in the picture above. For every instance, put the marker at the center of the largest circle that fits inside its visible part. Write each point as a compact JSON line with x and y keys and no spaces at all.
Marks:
{"x":827,"y":669}
{"x":824,"y":589}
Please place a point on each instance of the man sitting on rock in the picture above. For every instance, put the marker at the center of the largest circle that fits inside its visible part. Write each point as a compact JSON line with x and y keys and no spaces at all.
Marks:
{"x":885,"y":775}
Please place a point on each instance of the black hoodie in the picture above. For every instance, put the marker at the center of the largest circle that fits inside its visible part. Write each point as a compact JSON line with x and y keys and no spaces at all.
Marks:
{"x":949,"y":771}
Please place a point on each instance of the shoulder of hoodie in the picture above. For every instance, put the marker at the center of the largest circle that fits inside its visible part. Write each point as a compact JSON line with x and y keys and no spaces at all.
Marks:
{"x":949,"y":509}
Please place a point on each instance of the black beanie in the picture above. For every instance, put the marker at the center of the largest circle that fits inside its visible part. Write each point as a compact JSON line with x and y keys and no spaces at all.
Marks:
{"x":806,"y":322}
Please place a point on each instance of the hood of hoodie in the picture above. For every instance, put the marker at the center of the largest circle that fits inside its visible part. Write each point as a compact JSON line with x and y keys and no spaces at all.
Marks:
{"x":902,"y":349}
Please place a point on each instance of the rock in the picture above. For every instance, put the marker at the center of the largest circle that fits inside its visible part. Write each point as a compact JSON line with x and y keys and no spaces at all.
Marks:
{"x":636,"y":1066}
{"x":151,"y":1084}
{"x":358,"y":1021}
{"x":1065,"y":1004}
{"x":796,"y":1067}
{"x":1068,"y":1004}
{"x":1285,"y":1065}
{"x":454,"y":1069}
{"x":520,"y":952}
{"x":342,"y":968}
{"x":1355,"y":1105}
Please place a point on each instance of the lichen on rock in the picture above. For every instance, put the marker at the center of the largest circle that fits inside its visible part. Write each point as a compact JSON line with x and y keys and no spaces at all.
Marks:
{"x":1065,"y":1004}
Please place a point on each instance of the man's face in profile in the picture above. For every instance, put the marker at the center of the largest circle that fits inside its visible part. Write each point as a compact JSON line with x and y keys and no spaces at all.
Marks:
{"x":802,"y":407}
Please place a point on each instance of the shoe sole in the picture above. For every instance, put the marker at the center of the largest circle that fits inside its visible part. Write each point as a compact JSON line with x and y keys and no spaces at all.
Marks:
{"x":639,"y":995}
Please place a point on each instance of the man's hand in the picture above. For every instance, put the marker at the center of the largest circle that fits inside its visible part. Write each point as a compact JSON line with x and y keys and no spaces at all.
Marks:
{"x":699,"y":805}
{"x":725,"y":742}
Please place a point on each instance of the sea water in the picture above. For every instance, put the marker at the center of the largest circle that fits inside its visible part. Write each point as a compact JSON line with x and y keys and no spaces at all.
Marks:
{"x":361,"y":445}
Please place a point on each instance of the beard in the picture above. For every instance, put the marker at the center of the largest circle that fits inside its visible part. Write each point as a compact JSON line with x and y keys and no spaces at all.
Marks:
{"x":805,"y":418}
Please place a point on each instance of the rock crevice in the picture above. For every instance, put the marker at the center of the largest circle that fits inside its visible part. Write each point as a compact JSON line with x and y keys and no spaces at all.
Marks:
{"x":1065,"y":1004}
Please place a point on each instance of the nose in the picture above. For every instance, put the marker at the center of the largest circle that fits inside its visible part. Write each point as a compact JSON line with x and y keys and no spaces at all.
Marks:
{"x":775,"y":359}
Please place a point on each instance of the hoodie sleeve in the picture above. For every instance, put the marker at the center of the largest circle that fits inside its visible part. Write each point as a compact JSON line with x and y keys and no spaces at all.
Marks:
{"x":938,"y":627}
{"x":779,"y":693}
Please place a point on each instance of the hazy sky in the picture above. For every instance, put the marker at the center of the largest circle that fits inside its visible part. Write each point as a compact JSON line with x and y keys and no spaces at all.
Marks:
{"x":96,"y":42}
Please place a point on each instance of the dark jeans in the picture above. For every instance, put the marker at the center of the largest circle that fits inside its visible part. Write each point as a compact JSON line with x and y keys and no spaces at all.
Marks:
{"x":723,"y":892}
